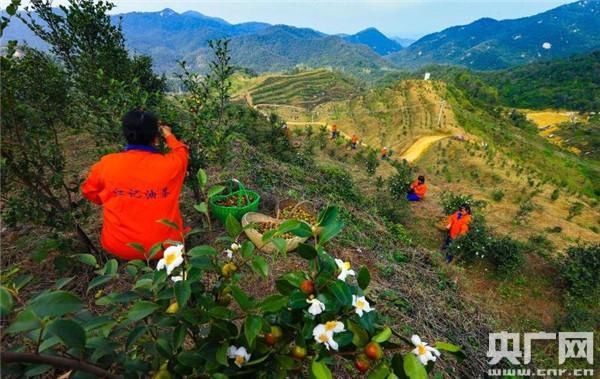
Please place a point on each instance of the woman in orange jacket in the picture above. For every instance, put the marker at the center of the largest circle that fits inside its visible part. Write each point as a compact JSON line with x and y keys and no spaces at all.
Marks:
{"x":139,"y":186}
{"x":458,"y":225}
{"x":418,"y":189}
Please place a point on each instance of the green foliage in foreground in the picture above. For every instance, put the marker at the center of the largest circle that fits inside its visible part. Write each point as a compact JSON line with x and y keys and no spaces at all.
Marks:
{"x":180,"y":320}
{"x":581,"y":271}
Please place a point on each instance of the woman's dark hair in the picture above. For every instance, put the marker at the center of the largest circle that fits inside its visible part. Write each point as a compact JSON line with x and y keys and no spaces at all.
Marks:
{"x":421,"y":179}
{"x":467,"y":207}
{"x":140,"y":127}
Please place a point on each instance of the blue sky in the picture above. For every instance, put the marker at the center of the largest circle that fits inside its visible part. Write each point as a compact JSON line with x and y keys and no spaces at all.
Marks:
{"x":403,"y":18}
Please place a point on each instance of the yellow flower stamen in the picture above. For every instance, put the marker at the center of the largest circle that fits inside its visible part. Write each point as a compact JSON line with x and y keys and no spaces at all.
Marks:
{"x":239,"y":360}
{"x":330,"y":325}
{"x":170,"y":259}
{"x":323,"y":338}
{"x":346,"y":265}
{"x":360,"y":304}
{"x":421,"y":350}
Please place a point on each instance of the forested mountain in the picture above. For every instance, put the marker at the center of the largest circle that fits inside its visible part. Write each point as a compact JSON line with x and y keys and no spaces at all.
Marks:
{"x":488,"y":44}
{"x":376,"y":40}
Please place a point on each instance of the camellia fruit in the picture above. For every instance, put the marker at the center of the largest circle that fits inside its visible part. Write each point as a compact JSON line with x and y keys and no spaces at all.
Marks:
{"x":274,"y":335}
{"x":307,"y":287}
{"x":298,"y":352}
{"x":362,"y":363}
{"x":373,"y":351}
{"x":228,"y":269}
{"x":173,"y":308}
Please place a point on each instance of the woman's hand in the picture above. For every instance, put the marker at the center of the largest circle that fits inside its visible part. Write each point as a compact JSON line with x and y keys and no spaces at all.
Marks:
{"x":165,"y":130}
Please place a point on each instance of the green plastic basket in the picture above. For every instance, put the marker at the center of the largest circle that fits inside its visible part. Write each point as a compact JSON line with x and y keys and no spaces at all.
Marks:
{"x":238,"y":211}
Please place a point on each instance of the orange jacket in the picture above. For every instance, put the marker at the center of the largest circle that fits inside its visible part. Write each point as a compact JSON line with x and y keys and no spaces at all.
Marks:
{"x":354,"y":138}
{"x":458,"y":226}
{"x":136,"y":188}
{"x":334,"y":128}
{"x":419,"y":189}
{"x":384,"y":151}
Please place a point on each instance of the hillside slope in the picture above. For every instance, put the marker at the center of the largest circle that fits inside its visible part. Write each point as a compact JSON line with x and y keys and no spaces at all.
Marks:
{"x":488,"y":44}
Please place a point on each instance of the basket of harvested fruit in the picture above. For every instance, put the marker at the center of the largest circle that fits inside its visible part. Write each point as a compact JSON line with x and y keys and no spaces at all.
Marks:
{"x":289,"y":209}
{"x":261,"y":224}
{"x":236,"y":203}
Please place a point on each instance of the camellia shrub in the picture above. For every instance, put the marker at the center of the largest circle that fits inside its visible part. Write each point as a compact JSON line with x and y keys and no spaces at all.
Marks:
{"x":191,"y":316}
{"x":581,"y":271}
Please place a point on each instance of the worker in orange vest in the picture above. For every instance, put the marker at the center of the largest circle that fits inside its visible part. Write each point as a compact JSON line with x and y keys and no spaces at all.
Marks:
{"x":384,"y":152}
{"x":458,"y":225}
{"x":139,"y":186}
{"x":334,"y":131}
{"x":354,"y":141}
{"x":418,"y":189}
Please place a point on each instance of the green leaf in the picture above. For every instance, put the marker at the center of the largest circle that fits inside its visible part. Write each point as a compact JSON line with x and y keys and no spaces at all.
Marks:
{"x":179,"y":336}
{"x":168,"y":223}
{"x":319,"y":370}
{"x":242,"y":299}
{"x":60,"y":283}
{"x":303,"y":230}
{"x":202,"y":178}
{"x":69,"y":332}
{"x":298,"y":300}
{"x":87,"y":259}
{"x":202,"y":208}
{"x":134,"y":335}
{"x":233,"y":227}
{"x":328,"y":216}
{"x":397,"y":363}
{"x":413,"y":368}
{"x":202,"y":251}
{"x":260,"y":266}
{"x":383,"y":336}
{"x":221,"y":355}
{"x":6,"y":302}
{"x":247,"y":249}
{"x":447,"y":347}
{"x":330,"y":231}
{"x":55,"y":304}
{"x":273,"y":303}
{"x":141,"y":310}
{"x":111,"y":267}
{"x":363,"y":278}
{"x":98,"y":281}
{"x":360,"y":337}
{"x":380,"y":372}
{"x":24,"y":322}
{"x":137,"y":246}
{"x":342,"y":293}
{"x":155,"y":249}
{"x":306,"y":251}
{"x":252,"y":326}
{"x":183,"y":292}
{"x":295,"y":278}
{"x":213,"y":191}
{"x":280,"y":244}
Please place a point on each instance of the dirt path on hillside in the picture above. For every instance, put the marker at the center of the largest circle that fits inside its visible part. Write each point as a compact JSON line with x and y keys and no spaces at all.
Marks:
{"x":416,"y":149}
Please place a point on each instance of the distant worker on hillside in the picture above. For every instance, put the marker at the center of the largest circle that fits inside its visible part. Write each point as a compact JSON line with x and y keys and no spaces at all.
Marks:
{"x":334,"y":131}
{"x":354,"y":141}
{"x":385,"y":152}
{"x":458,"y":225}
{"x":285,"y":130}
{"x":139,"y":186}
{"x":417,"y":190}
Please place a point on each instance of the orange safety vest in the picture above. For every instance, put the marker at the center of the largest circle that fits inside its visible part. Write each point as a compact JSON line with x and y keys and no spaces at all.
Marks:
{"x":136,"y":188}
{"x":419,"y":189}
{"x":459,"y":226}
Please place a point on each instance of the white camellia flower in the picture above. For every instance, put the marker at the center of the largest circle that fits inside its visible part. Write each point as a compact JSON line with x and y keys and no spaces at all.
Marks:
{"x":360,"y":305}
{"x":423,"y":352}
{"x":229,"y":253}
{"x":316,"y":306}
{"x":239,"y":355}
{"x":323,"y":333}
{"x":345,"y":269}
{"x":235,"y":247}
{"x":172,"y":258}
{"x":179,"y":278}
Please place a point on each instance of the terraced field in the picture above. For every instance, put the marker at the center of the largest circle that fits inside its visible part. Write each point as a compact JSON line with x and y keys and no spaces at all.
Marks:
{"x":306,"y":89}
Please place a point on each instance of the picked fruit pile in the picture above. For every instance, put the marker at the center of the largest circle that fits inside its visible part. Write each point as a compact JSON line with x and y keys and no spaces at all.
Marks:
{"x":232,"y":201}
{"x":263,"y":227}
{"x":297,"y":213}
